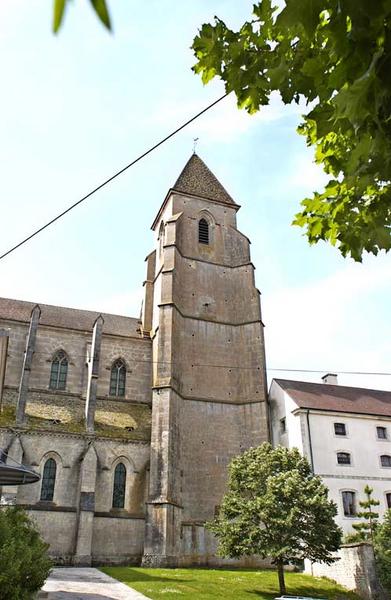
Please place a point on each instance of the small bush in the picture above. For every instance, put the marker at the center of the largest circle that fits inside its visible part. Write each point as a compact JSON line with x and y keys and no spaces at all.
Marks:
{"x":24,"y":562}
{"x":383,"y":551}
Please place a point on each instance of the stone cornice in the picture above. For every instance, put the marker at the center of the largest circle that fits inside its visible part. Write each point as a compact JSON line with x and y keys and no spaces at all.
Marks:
{"x":210,"y":400}
{"x":72,"y":435}
{"x":192,"y":317}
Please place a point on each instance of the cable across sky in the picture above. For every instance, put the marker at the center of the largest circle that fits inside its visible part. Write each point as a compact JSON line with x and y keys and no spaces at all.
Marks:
{"x":110,"y":179}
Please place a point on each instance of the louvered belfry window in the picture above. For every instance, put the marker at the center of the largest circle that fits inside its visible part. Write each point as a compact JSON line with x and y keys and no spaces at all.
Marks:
{"x":48,"y":480}
{"x":59,"y":371}
{"x":203,"y":231}
{"x":119,"y":486}
{"x":118,"y":378}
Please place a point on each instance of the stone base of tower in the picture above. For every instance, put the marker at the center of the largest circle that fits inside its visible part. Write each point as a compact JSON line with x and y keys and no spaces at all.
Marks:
{"x":162,"y":535}
{"x":162,"y":561}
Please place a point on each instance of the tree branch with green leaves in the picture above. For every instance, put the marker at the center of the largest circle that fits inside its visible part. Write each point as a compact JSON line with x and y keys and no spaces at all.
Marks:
{"x":337,"y":57}
{"x":276,"y":508}
{"x":99,"y":6}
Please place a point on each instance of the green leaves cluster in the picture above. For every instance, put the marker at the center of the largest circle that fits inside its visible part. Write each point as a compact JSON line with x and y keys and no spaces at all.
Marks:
{"x":99,"y":6}
{"x":276,"y":508}
{"x":367,"y":528}
{"x":382,"y":547}
{"x":337,"y":56}
{"x":24,"y":563}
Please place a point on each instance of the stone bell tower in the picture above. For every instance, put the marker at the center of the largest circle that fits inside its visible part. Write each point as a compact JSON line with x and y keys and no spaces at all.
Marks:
{"x":202,"y":311}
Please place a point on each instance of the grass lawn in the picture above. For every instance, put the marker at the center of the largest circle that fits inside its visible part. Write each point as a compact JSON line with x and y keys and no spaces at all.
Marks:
{"x":191,"y":584}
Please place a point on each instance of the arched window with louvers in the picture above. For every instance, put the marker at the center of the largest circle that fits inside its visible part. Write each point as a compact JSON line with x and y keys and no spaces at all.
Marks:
{"x":118,"y":378}
{"x":59,"y":371}
{"x":48,"y":480}
{"x":119,"y":487}
{"x":203,"y":231}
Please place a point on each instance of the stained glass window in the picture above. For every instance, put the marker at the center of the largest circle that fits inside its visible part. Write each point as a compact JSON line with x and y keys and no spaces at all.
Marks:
{"x":118,"y":378}
{"x":48,"y":479}
{"x":119,"y":486}
{"x":203,"y":232}
{"x":58,"y":372}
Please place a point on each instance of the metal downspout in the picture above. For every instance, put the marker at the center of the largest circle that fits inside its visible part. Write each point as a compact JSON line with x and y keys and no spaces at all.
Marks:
{"x":310,"y":440}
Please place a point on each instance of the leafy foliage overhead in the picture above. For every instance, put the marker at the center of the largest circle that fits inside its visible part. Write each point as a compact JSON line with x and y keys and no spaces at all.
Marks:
{"x":337,"y":56}
{"x":99,"y":6}
{"x":276,"y":508}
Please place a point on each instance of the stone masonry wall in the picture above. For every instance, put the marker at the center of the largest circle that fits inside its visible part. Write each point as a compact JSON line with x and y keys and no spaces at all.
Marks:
{"x":354,"y":569}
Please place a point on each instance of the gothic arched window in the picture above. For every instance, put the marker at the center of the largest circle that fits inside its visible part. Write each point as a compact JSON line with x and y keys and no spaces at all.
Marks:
{"x":118,"y":378}
{"x":119,"y":486}
{"x":203,"y":231}
{"x":48,"y":479}
{"x":59,"y":370}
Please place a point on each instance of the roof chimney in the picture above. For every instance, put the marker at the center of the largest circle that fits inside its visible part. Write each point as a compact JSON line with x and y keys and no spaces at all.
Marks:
{"x":330,"y":378}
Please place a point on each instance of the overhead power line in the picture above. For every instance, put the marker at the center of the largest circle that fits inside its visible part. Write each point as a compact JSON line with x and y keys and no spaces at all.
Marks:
{"x":117,"y":174}
{"x":236,"y":367}
{"x":337,"y":371}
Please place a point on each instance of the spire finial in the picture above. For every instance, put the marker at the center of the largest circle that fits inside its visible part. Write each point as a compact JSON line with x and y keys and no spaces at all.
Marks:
{"x":195,"y":140}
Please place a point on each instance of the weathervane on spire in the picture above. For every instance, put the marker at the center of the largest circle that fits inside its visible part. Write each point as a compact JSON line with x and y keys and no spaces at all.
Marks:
{"x":195,"y":140}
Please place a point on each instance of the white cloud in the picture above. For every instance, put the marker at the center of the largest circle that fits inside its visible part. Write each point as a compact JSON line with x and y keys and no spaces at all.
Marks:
{"x":224,"y":122}
{"x":307,"y":174}
{"x":126,"y":303}
{"x":325,"y":325}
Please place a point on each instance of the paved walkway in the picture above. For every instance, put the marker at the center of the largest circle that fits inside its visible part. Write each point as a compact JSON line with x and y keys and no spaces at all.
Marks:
{"x":70,"y":583}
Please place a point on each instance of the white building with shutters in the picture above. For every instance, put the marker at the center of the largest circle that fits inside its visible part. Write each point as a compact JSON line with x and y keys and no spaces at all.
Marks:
{"x":345,"y":433}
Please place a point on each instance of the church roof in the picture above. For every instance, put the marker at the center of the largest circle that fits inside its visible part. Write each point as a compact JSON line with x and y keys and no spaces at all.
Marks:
{"x":197,"y":179}
{"x":68,"y":318}
{"x":337,"y":398}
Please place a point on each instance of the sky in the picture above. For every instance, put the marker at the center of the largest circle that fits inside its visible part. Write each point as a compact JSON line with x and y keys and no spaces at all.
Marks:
{"x":78,"y":106}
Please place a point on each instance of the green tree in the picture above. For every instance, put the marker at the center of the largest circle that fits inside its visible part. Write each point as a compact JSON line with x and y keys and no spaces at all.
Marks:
{"x":24,"y":563}
{"x":366,"y":529}
{"x":382,"y":547}
{"x":336,"y":56}
{"x":276,"y":508}
{"x":99,"y":6}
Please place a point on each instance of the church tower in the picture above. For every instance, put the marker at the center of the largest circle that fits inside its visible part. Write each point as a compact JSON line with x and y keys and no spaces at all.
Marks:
{"x":202,"y":311}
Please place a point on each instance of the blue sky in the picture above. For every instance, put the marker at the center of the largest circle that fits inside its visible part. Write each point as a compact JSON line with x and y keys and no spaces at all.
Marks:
{"x":78,"y":106}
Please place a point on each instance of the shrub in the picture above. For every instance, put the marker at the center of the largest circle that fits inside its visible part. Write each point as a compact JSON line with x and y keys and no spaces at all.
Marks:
{"x":24,"y":562}
{"x":383,"y":551}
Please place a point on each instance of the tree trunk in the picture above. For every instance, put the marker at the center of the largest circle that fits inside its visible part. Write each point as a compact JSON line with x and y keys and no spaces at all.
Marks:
{"x":281,"y":579}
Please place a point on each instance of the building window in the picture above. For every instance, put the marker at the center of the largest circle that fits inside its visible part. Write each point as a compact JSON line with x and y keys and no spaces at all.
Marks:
{"x":385,"y":460}
{"x":343,"y":458}
{"x":59,"y":370}
{"x":283,"y":425}
{"x":339,"y":428}
{"x":349,"y":504}
{"x":388,"y":499}
{"x":118,"y":378}
{"x":119,"y":486}
{"x":203,"y":231}
{"x":381,"y":433}
{"x":48,"y":480}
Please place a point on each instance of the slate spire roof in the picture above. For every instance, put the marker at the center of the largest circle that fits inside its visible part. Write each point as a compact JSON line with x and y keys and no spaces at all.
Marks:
{"x":197,"y":179}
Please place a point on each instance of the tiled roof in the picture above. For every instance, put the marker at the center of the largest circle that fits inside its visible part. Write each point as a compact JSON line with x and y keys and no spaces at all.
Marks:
{"x":339,"y":398}
{"x":68,"y":318}
{"x":197,"y":179}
